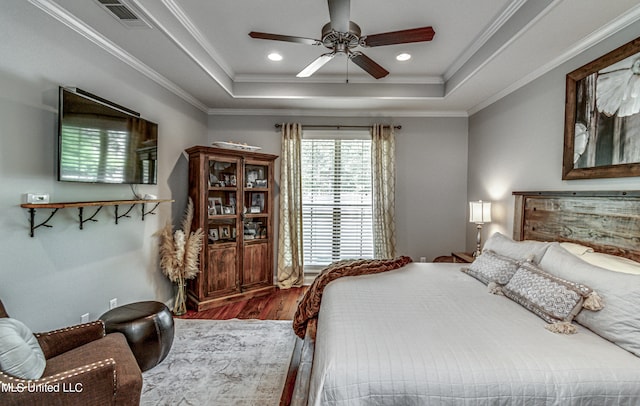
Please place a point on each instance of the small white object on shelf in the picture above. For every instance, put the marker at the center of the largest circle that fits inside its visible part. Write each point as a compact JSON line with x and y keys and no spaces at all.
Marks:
{"x":235,"y":145}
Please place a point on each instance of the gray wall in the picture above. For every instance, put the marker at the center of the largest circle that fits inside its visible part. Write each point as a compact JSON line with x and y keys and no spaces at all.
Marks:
{"x":51,"y":280}
{"x":516,"y":143}
{"x":431,"y":173}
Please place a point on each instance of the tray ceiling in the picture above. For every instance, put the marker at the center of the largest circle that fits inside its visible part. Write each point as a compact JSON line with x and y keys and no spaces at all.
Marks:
{"x":201,"y":50}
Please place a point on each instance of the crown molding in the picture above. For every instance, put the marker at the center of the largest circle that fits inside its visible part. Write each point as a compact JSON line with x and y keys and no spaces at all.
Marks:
{"x":212,"y":68}
{"x":506,"y":14}
{"x":335,"y":113}
{"x":188,"y":24}
{"x":71,"y":21}
{"x":539,"y":8}
{"x":339,"y":79}
{"x":594,"y":38}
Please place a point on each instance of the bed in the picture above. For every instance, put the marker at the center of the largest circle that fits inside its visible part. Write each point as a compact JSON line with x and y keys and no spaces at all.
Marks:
{"x":429,"y":334}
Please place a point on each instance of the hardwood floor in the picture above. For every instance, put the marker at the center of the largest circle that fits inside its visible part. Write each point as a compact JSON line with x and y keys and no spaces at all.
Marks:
{"x":281,"y":305}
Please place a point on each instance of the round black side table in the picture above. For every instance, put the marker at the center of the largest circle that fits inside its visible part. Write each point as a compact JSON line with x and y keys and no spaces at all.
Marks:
{"x":148,"y":327}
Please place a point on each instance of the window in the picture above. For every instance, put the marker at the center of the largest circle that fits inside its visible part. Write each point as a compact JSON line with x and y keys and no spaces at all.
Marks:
{"x":336,"y":199}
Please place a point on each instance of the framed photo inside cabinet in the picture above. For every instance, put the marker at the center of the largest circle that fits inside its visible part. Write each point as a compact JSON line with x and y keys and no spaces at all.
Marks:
{"x":213,"y":234}
{"x":216,"y":204}
{"x":212,"y":207}
{"x":225,"y":232}
{"x":602,"y":117}
{"x":257,"y":200}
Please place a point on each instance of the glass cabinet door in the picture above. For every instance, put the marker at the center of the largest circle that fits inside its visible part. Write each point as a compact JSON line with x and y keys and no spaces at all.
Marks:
{"x":222,"y":202}
{"x":256,"y":202}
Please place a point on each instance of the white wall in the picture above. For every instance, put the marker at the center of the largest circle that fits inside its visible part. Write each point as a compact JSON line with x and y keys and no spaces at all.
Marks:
{"x":516,"y":143}
{"x":50,"y":280}
{"x":431,"y":172}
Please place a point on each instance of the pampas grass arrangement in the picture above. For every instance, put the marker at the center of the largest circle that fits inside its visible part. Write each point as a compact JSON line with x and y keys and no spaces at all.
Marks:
{"x":179,"y":253}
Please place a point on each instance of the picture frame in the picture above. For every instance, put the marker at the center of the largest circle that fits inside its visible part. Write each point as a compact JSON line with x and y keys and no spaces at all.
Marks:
{"x":261,"y":183}
{"x":225,"y":232}
{"x":255,"y":210}
{"x":257,"y":200}
{"x":228,"y":210}
{"x":602,"y":126}
{"x":217,"y":204}
{"x":213,"y":234}
{"x":212,"y":207}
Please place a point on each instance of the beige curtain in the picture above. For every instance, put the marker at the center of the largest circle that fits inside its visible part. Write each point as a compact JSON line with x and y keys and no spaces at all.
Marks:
{"x":383,"y":172}
{"x":290,"y":266}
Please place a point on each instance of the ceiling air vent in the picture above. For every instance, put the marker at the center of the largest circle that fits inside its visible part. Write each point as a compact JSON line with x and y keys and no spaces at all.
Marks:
{"x":124,"y":13}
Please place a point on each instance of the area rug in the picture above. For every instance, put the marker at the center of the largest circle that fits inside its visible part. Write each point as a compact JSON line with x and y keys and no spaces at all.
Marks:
{"x":222,"y":362}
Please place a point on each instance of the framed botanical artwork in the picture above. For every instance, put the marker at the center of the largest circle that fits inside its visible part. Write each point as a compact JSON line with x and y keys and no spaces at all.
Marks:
{"x":602,"y":117}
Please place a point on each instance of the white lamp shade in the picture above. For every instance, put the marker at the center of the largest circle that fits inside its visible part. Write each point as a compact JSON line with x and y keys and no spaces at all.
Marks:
{"x":479,"y":212}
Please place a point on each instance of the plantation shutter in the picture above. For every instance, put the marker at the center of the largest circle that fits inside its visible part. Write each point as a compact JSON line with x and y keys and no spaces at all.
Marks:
{"x":336,"y":200}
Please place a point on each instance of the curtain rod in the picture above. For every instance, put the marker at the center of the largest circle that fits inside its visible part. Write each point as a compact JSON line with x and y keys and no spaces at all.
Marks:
{"x":338,"y":127}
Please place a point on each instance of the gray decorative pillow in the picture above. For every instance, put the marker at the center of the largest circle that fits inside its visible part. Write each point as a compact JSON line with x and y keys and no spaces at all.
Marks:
{"x":491,"y":267}
{"x":552,"y":298}
{"x":527,"y":250}
{"x":619,"y":320}
{"x":20,"y":353}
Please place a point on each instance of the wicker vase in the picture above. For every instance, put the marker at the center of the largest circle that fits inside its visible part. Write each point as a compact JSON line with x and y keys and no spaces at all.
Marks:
{"x":180,"y":304}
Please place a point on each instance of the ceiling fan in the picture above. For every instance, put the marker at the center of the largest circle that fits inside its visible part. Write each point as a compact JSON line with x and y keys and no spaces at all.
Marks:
{"x":342,"y":36}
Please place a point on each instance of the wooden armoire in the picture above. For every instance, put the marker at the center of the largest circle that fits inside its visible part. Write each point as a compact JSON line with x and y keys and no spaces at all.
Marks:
{"x":232,"y":192}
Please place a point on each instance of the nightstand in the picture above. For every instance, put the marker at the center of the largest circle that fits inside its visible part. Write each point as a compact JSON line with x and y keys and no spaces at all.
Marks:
{"x":463,"y":257}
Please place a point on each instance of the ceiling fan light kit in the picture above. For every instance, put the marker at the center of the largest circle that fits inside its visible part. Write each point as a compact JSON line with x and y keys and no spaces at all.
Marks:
{"x":342,"y":36}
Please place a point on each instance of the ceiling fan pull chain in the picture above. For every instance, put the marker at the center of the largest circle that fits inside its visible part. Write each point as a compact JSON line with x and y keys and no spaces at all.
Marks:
{"x":347,"y":58}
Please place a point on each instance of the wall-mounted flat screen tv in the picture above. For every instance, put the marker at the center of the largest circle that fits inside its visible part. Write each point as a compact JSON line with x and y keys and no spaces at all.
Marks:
{"x":101,"y":142}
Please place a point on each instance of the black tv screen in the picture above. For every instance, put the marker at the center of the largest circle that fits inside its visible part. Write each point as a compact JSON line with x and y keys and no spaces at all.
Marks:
{"x":101,"y":142}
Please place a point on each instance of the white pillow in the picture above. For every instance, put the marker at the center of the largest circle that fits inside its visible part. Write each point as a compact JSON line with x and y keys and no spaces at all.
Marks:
{"x":619,"y":320}
{"x":612,"y":262}
{"x":20,"y":353}
{"x":576,"y":249}
{"x":527,"y":250}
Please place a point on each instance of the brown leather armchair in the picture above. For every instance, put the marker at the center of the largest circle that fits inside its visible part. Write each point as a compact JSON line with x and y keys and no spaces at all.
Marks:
{"x":84,"y":366}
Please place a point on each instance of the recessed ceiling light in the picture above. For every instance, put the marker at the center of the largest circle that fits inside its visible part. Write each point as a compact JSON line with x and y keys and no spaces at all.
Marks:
{"x":274,"y":56}
{"x":403,"y":57}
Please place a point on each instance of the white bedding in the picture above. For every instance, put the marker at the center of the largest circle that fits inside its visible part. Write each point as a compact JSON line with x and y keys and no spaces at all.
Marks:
{"x":428,"y":334}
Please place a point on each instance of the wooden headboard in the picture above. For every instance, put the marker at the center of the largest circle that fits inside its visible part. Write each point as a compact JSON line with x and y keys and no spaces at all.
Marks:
{"x":607,"y":221}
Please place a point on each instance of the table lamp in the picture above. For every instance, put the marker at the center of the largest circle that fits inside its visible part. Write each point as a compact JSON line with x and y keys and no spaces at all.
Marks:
{"x":479,"y":213}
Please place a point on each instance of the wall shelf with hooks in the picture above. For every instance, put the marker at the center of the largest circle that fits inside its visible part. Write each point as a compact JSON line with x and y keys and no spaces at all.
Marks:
{"x":81,"y":205}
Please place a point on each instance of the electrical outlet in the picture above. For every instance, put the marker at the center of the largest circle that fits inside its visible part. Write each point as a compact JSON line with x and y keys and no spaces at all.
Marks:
{"x":84,"y":318}
{"x":37,"y":198}
{"x":423,"y":259}
{"x":113,"y":303}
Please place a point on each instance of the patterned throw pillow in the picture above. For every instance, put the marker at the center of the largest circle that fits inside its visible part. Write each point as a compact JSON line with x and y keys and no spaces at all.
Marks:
{"x":553,"y":299}
{"x":491,"y":267}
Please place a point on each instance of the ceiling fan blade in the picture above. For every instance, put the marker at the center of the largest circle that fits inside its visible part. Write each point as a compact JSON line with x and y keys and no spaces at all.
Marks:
{"x":315,"y":65}
{"x":368,"y":65}
{"x":286,"y":38}
{"x":399,"y":37}
{"x":339,"y":13}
